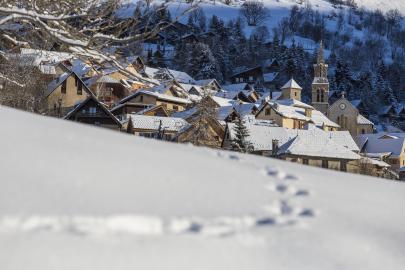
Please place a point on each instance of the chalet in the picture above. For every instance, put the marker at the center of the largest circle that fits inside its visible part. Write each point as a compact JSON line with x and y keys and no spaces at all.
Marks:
{"x":294,"y":114}
{"x":192,"y":89}
{"x":391,"y":145}
{"x":271,"y":70}
{"x":122,"y":110}
{"x":253,"y":75}
{"x":348,"y":117}
{"x":64,"y":93}
{"x":265,"y":75}
{"x":107,"y":89}
{"x":211,"y":85}
{"x":155,"y":110}
{"x":93,"y":112}
{"x":164,"y":128}
{"x":241,"y":91}
{"x":313,"y":147}
{"x":171,"y":103}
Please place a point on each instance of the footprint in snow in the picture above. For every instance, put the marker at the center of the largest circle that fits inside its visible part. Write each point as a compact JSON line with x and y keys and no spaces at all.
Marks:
{"x":307,"y":212}
{"x":302,"y":192}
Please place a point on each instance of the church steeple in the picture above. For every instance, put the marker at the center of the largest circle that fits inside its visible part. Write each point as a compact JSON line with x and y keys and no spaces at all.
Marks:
{"x":320,"y":84}
{"x":320,"y":58}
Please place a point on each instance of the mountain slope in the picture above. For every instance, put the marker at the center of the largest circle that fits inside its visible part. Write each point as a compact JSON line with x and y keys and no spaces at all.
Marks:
{"x":78,"y":197}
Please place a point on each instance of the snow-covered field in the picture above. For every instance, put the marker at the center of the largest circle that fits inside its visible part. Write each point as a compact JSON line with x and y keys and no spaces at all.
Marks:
{"x":78,"y":197}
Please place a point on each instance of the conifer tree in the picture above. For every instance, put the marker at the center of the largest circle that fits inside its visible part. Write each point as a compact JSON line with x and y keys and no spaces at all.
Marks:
{"x":130,"y":127}
{"x":241,"y":142}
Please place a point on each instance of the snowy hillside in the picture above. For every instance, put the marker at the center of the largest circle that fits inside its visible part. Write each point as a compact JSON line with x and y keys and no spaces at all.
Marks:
{"x":77,"y":197}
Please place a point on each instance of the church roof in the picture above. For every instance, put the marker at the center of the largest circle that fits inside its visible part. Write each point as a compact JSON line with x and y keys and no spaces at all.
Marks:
{"x":291,"y":84}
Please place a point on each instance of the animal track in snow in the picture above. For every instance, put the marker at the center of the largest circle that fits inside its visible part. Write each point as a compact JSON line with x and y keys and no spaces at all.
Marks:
{"x":282,"y":183}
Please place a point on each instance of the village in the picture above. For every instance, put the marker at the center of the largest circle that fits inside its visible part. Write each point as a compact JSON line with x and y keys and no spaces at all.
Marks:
{"x":331,"y":132}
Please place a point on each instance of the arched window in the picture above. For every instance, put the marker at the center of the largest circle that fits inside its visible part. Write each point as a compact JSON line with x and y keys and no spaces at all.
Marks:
{"x":318,"y":95}
{"x":322,"y":96}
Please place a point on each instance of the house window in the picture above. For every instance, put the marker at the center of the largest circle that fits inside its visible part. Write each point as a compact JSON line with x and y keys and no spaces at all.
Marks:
{"x":250,"y":78}
{"x":93,"y":110}
{"x":325,"y":164}
{"x":97,"y":123}
{"x":363,"y":131}
{"x":267,"y":111}
{"x":240,"y":79}
{"x":79,"y":88}
{"x":175,"y":108}
{"x":237,"y":79}
{"x":141,"y":99}
{"x":295,"y":93}
{"x":63,"y":89}
{"x":305,"y":161}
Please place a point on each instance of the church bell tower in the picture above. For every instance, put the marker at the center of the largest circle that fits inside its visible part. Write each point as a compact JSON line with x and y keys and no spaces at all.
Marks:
{"x":320,"y":84}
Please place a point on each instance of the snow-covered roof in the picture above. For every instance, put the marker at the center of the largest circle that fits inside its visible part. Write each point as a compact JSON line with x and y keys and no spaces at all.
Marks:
{"x":153,"y":123}
{"x":204,"y":82}
{"x":80,"y":67}
{"x":46,"y":56}
{"x":294,"y":103}
{"x":237,"y":87}
{"x":318,"y":118}
{"x":223,"y":101}
{"x":343,"y":138}
{"x":275,"y":95}
{"x":157,"y":95}
{"x":107,"y":79}
{"x":269,"y":77}
{"x":361,"y":120}
{"x":376,"y":162}
{"x":224,"y":112}
{"x":291,"y":84}
{"x":187,"y":87}
{"x":55,"y":83}
{"x":316,"y":143}
{"x":181,"y":76}
{"x":379,"y":143}
{"x":186,"y":113}
{"x":245,"y":108}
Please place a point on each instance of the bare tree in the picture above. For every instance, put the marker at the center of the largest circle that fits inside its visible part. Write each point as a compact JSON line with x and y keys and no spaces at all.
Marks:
{"x":206,"y":111}
{"x":20,"y":86}
{"x":254,"y":12}
{"x":86,"y":28}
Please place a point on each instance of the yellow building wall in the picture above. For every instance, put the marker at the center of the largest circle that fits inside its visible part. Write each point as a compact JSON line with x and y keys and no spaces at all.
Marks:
{"x":70,"y":99}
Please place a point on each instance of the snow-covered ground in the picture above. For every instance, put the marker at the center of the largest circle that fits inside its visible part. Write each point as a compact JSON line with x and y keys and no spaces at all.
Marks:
{"x":79,"y":197}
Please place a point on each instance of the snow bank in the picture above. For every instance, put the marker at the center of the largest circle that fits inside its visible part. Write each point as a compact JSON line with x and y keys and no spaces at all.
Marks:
{"x":78,"y":197}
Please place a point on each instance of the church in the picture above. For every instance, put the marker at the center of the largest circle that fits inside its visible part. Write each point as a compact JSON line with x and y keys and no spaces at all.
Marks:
{"x":287,"y":110}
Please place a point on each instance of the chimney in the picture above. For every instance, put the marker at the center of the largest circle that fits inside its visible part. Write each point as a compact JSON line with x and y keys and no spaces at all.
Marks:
{"x":308,"y":112}
{"x":274,"y":148}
